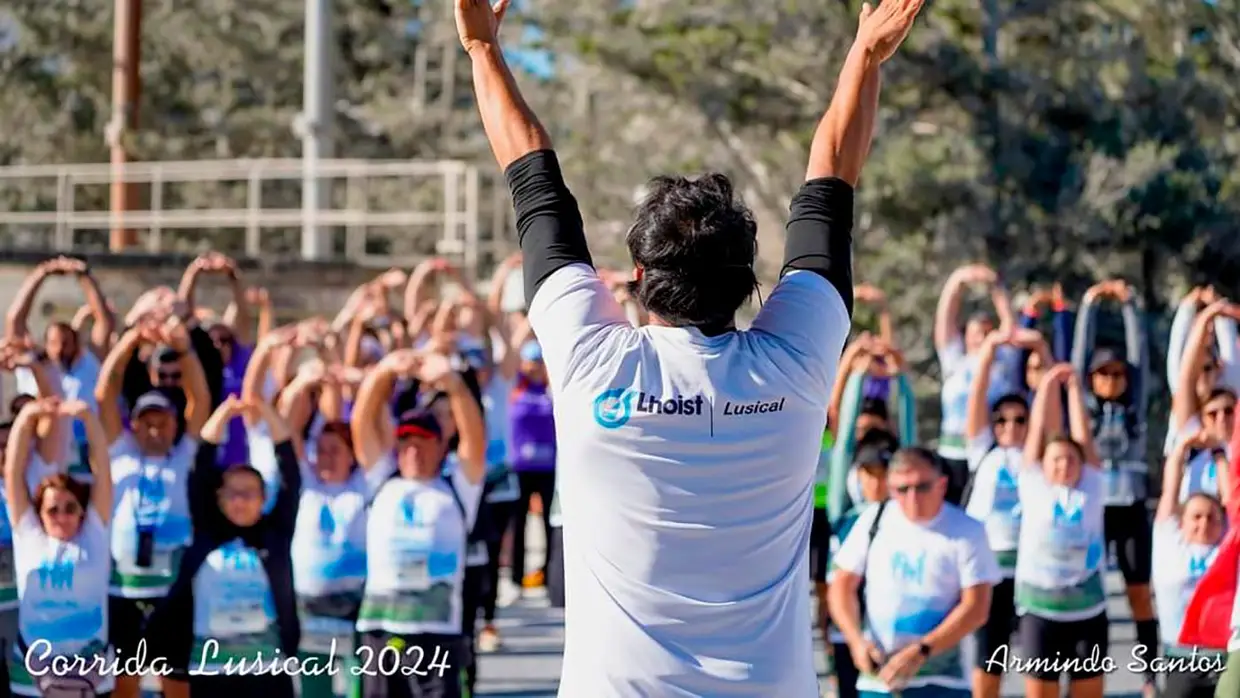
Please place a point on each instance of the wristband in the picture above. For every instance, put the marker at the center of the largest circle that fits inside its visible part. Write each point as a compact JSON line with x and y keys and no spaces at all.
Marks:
{"x":924,"y":649}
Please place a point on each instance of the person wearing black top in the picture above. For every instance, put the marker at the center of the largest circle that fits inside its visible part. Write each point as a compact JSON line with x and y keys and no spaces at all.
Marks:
{"x":233,"y":638}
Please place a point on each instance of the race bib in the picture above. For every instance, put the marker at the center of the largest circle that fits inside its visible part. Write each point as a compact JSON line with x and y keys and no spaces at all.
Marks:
{"x":238,"y":616}
{"x":318,"y":634}
{"x":413,"y":574}
{"x":163,"y":563}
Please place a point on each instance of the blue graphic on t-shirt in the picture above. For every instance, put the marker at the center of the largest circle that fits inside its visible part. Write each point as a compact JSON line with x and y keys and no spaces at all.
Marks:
{"x":909,"y":569}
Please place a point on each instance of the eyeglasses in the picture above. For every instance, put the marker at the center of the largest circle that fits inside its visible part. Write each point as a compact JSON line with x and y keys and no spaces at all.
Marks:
{"x":919,"y":488}
{"x":170,"y":377}
{"x":1015,"y":421}
{"x":1209,"y":368}
{"x":1113,"y":374}
{"x":66,"y":509}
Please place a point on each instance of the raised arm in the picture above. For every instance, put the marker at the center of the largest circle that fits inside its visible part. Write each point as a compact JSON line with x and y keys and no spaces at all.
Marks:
{"x":1078,"y":417}
{"x":856,"y":351}
{"x":194,"y":380}
{"x":1181,"y":325}
{"x":20,"y":354}
{"x":819,"y":230}
{"x":374,"y":433}
{"x":112,"y":375}
{"x":1086,"y":326}
{"x":17,"y":456}
{"x":1063,"y":320}
{"x":19,"y":310}
{"x":1184,"y":401}
{"x":100,"y":459}
{"x":977,"y":420}
{"x":435,"y":370}
{"x":947,"y":314}
{"x":105,"y":321}
{"x":1040,"y":413}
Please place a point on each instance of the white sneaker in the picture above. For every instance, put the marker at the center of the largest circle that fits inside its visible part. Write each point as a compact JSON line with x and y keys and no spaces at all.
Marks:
{"x":508,"y":594}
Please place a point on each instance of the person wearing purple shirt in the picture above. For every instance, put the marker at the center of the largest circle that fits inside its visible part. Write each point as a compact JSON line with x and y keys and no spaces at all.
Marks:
{"x":235,"y":357}
{"x":531,"y":454}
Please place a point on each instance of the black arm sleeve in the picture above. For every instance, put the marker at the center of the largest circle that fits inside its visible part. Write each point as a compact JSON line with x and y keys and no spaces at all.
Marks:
{"x":204,"y":482}
{"x":548,"y":219}
{"x":819,"y":234}
{"x":284,"y":514}
{"x":212,"y":363}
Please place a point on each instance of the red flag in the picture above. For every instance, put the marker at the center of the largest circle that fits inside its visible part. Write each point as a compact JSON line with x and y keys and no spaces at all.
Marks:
{"x":1207,"y":620}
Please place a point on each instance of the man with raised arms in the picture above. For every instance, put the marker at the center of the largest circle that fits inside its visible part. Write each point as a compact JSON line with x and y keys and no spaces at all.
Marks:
{"x":684,"y":532}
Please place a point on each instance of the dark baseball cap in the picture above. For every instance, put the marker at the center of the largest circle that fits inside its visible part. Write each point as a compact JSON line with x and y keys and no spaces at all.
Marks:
{"x":1103,"y":356}
{"x":418,"y":422}
{"x":872,"y":455}
{"x":152,"y":400}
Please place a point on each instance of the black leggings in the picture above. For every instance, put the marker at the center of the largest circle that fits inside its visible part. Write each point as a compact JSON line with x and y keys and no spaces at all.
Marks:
{"x":846,"y":673}
{"x":541,"y":483}
{"x":501,"y":514}
{"x":242,"y":686}
{"x":1128,"y":528}
{"x":472,"y":589}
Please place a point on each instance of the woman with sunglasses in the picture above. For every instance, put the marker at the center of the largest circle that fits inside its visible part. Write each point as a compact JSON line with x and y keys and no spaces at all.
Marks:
{"x":1200,"y":378}
{"x":996,"y":449}
{"x":62,"y":558}
{"x":1117,"y":400}
{"x":1060,"y":568}
{"x":230,"y":618}
{"x":1187,"y":533}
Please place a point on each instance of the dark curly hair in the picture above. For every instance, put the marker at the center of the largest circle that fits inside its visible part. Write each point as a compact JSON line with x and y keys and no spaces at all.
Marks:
{"x":695,"y":243}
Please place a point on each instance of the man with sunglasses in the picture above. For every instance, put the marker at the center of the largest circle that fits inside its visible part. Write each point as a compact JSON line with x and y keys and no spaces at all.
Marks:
{"x":928,"y":573}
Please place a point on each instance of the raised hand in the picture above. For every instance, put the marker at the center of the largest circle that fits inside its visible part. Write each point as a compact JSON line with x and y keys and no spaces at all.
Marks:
{"x":433,"y":368}
{"x":882,"y":29}
{"x":1058,"y":374}
{"x":977,"y":273}
{"x":392,"y":279}
{"x":477,"y":23}
{"x":176,"y":334}
{"x":74,"y":408}
{"x":403,"y":362}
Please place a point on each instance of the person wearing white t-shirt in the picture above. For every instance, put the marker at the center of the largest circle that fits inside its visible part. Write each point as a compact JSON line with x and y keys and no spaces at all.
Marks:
{"x":62,"y":562}
{"x":928,"y":573}
{"x":687,"y":444}
{"x":419,"y":523}
{"x":996,"y":434}
{"x":1187,"y":533}
{"x":1060,"y":566}
{"x":957,"y":344}
{"x":151,"y":464}
{"x":1203,"y":453}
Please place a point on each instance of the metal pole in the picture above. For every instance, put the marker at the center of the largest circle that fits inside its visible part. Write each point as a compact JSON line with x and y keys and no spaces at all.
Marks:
{"x":126,"y":90}
{"x":318,"y":124}
{"x":990,"y":48}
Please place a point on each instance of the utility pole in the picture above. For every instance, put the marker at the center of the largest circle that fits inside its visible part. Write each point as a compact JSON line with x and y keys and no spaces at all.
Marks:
{"x":316,"y":127}
{"x":126,"y":91}
{"x":990,"y":48}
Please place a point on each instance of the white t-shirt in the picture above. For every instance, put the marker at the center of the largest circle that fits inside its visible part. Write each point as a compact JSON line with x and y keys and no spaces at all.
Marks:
{"x":329,"y":541}
{"x":1059,"y":572}
{"x":995,"y":498}
{"x":77,"y":383}
{"x":680,"y":454}
{"x":1200,"y":475}
{"x":149,"y":492}
{"x":914,"y":573}
{"x":234,"y":606}
{"x":958,"y":371}
{"x":1178,"y":566}
{"x":63,"y":591}
{"x":36,"y":470}
{"x":415,"y":554}
{"x":495,"y":397}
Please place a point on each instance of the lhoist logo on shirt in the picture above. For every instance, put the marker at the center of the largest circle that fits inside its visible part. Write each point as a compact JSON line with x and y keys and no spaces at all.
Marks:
{"x":909,"y":569}
{"x":613,"y":408}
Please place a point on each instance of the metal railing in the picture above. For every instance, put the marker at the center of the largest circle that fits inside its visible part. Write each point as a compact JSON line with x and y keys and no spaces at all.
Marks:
{"x":389,"y":211}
